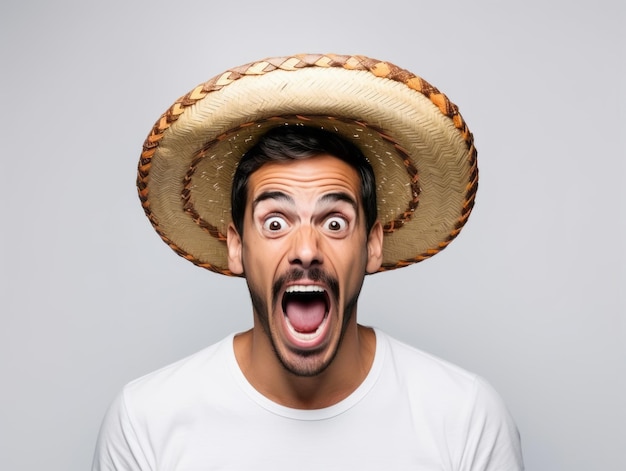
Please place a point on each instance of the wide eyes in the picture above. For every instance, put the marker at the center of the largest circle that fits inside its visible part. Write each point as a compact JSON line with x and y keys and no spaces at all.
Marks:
{"x":335,"y":224}
{"x":277,"y":224}
{"x":274,"y":224}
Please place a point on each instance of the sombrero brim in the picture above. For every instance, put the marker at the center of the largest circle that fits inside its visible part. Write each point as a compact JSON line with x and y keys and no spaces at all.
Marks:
{"x":420,"y":148}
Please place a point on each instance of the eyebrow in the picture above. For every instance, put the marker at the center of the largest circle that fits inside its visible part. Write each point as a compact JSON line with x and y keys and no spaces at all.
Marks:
{"x":272,"y":195}
{"x":340,"y":196}
{"x":327,"y":198}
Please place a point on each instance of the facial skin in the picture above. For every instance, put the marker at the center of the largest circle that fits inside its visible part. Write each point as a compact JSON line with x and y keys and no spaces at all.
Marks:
{"x":304,"y":231}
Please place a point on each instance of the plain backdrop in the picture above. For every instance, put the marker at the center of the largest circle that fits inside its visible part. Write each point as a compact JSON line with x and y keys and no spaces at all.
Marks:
{"x":530,"y":296}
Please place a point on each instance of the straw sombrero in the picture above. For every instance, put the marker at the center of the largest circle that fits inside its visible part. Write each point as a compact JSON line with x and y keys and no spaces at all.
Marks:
{"x":417,"y":142}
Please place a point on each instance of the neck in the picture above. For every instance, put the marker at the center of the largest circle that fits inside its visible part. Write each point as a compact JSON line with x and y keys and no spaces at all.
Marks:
{"x":346,"y":372}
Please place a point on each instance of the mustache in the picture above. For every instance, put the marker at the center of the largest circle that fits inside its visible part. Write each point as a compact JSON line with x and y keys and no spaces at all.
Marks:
{"x":313,"y":274}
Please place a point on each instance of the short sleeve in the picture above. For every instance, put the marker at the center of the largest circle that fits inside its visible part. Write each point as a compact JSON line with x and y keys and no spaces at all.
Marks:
{"x":117,"y":447}
{"x":493,"y":441}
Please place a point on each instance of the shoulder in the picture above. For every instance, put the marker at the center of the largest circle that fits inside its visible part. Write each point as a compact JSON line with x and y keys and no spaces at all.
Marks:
{"x":452,"y":399}
{"x":168,"y":392}
{"x":184,"y":372}
{"x":423,"y":367}
{"x":140,"y":419}
{"x":428,"y":374}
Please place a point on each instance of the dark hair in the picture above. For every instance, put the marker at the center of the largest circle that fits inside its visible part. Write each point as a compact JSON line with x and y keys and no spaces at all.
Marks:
{"x":297,"y":142}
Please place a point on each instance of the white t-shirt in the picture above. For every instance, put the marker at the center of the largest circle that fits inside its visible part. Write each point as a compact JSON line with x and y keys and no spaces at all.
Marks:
{"x":413,"y":411}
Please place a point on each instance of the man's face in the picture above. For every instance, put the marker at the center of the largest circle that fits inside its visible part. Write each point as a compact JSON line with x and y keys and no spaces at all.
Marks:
{"x":305,"y":253}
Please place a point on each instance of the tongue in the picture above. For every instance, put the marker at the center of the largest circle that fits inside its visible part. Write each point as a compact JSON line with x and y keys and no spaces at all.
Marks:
{"x":307,"y":316}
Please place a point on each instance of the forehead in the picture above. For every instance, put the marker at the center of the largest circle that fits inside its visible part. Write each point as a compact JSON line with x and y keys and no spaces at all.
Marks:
{"x":319,"y":174}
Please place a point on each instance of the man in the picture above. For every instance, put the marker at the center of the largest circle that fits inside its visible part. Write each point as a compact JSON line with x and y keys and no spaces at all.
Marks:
{"x":336,"y":167}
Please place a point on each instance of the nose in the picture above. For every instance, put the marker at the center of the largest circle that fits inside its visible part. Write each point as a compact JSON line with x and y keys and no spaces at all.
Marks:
{"x":305,"y":250}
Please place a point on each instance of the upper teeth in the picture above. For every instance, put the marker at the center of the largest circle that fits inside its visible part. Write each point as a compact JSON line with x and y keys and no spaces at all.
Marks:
{"x":304,"y":289}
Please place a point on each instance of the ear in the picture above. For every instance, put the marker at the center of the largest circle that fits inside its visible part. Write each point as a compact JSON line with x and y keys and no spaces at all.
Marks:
{"x":374,"y":248}
{"x":234,"y":244}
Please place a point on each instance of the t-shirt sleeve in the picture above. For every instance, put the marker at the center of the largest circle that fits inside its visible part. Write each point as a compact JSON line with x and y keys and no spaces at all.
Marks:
{"x":493,"y":441}
{"x":118,"y":447}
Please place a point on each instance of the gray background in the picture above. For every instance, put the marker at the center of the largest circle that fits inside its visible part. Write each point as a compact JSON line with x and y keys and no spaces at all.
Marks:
{"x":530,"y":295}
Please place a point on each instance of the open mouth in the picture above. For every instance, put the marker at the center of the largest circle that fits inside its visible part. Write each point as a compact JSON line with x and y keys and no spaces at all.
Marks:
{"x":305,"y":308}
